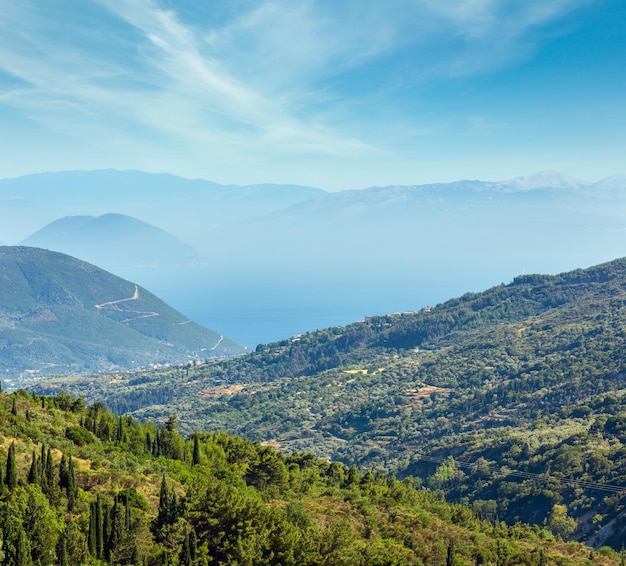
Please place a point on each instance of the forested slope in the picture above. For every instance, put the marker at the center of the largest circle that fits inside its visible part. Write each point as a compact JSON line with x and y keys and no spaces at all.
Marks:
{"x":527,"y":377}
{"x":59,"y":315}
{"x":83,"y":486}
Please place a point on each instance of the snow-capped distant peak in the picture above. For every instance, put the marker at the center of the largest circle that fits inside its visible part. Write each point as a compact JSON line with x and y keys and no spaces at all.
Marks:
{"x":612,"y":182}
{"x":545,"y":179}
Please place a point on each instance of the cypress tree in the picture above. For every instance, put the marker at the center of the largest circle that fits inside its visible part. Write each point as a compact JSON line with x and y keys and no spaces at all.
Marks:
{"x":451,"y":552}
{"x":41,"y":470}
{"x":14,"y":407}
{"x":71,"y":485}
{"x":50,"y":482}
{"x":127,"y":513}
{"x":120,"y":430}
{"x":99,"y":528}
{"x":11,"y":475}
{"x":92,"y":538}
{"x":193,"y":546}
{"x":353,"y":476}
{"x":106,"y":531}
{"x":196,"y":450}
{"x":164,"y":504}
{"x":185,"y":555}
{"x":22,"y":550}
{"x":62,"y":558}
{"x":33,"y":475}
{"x":118,"y":519}
{"x":63,"y":473}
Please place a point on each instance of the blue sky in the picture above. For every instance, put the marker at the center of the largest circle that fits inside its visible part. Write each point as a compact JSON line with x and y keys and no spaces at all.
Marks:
{"x":336,"y":94}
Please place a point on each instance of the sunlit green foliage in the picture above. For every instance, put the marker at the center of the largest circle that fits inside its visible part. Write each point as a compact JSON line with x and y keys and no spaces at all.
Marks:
{"x":225,"y":500}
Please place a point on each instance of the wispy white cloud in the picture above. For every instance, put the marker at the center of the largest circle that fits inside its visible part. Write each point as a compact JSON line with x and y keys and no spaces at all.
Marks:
{"x":267,"y":78}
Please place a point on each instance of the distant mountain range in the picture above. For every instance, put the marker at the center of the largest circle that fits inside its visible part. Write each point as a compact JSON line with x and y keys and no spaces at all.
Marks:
{"x":274,"y":260}
{"x":183,"y":207}
{"x":59,"y":315}
{"x":114,"y":242}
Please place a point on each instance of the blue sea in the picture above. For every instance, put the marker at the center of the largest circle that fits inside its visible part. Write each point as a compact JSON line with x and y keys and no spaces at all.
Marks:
{"x":254,"y":312}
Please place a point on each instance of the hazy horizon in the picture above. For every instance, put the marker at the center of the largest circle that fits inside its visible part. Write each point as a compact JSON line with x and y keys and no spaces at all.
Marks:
{"x":337,"y":96}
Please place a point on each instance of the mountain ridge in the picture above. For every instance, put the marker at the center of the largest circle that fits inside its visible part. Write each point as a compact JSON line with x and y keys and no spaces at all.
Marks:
{"x":62,"y":315}
{"x":521,"y":377}
{"x":113,"y":241}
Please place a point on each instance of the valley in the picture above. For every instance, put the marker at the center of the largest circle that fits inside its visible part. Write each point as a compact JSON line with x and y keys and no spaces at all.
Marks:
{"x":522,"y":384}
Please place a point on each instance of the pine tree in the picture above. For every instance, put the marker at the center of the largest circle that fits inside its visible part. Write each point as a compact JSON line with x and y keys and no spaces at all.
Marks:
{"x":11,"y":475}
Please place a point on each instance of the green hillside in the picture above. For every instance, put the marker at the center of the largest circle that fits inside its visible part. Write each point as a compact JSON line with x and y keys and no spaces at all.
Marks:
{"x":83,"y":486}
{"x":522,"y":386}
{"x":61,"y":315}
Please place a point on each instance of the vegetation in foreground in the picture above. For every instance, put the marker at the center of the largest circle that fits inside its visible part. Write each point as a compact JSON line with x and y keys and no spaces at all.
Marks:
{"x":526,"y":377}
{"x":83,"y":486}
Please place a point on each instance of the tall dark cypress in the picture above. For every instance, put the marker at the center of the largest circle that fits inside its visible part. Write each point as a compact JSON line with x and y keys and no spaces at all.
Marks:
{"x":164,"y":504}
{"x":193,"y":545}
{"x":185,"y":555}
{"x":120,"y":430}
{"x":22,"y":550}
{"x":451,"y":553}
{"x":11,"y":476}
{"x":99,"y":528}
{"x":41,"y":469}
{"x":106,"y":531}
{"x":33,"y":472}
{"x":63,"y":473}
{"x":62,"y":558}
{"x":92,"y":536}
{"x":118,"y":530}
{"x":196,"y":450}
{"x":71,"y":485}
{"x":50,"y":483}
{"x":127,"y":513}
